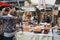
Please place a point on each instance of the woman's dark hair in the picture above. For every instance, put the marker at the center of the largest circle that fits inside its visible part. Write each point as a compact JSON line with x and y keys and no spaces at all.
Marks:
{"x":13,"y":13}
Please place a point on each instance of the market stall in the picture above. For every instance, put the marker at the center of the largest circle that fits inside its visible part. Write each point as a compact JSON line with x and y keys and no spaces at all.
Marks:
{"x":35,"y":33}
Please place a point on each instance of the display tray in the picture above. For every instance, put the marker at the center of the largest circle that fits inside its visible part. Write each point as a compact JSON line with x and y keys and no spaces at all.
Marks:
{"x":37,"y":32}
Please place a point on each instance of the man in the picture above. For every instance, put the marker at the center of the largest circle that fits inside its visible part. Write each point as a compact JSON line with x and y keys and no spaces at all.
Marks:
{"x":47,"y":18}
{"x":8,"y":25}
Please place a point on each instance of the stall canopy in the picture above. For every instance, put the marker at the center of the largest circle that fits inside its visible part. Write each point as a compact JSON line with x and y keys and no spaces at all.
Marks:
{"x":50,"y":2}
{"x":4,"y":4}
{"x":47,"y":3}
{"x":35,"y":1}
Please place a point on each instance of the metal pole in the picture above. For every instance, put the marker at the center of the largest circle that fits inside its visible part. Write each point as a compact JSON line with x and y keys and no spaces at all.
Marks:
{"x":44,"y":7}
{"x":18,"y":7}
{"x":52,"y":16}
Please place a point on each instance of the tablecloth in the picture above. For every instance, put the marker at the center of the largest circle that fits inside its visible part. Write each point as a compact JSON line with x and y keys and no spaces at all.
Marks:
{"x":33,"y":36}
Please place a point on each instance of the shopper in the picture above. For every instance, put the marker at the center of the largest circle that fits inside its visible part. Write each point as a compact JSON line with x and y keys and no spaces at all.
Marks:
{"x":8,"y":25}
{"x":47,"y":18}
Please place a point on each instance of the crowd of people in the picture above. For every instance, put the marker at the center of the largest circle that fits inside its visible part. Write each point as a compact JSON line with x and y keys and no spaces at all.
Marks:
{"x":9,"y":18}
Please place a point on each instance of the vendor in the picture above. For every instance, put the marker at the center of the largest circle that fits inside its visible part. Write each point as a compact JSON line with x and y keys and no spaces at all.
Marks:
{"x":47,"y":18}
